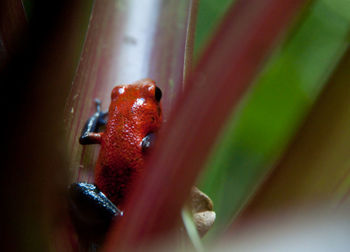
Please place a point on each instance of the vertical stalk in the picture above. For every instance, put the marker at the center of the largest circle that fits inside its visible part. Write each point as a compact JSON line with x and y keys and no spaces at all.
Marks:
{"x":126,"y":41}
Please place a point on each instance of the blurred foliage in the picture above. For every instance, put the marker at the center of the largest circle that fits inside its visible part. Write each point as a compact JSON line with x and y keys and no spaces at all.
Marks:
{"x":28,"y":7}
{"x":208,"y":17}
{"x":314,"y":170}
{"x":260,"y":130}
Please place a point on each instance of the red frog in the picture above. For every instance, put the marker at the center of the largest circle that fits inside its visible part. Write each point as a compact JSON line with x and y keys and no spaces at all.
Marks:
{"x":134,"y":117}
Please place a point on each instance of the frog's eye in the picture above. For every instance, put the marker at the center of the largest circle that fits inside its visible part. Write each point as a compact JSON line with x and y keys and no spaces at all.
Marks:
{"x":148,"y":142}
{"x":158,"y":94}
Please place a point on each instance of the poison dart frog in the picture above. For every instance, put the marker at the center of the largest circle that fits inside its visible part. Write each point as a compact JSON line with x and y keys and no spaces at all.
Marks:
{"x":134,"y":117}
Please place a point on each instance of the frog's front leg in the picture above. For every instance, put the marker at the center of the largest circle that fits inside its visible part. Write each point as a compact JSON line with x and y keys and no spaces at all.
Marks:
{"x":90,"y":133}
{"x":91,"y":211}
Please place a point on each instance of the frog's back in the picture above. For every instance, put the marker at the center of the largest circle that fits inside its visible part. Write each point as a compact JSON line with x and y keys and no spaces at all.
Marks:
{"x":134,"y":114}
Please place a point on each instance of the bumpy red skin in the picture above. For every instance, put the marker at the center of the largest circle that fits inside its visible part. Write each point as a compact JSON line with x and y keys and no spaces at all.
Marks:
{"x":133,"y":114}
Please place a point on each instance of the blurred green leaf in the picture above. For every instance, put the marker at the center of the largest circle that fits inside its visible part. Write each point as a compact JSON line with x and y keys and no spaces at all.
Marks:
{"x":191,"y":230}
{"x":314,"y":171}
{"x":258,"y":133}
{"x":209,"y":15}
{"x":28,"y":8}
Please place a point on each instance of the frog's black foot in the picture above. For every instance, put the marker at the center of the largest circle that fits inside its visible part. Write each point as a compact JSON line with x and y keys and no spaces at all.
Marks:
{"x":102,"y":115}
{"x":91,"y":211}
{"x":90,"y":133}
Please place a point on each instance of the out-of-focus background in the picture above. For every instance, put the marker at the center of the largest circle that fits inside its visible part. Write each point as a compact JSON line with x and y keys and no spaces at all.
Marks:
{"x":260,"y":131}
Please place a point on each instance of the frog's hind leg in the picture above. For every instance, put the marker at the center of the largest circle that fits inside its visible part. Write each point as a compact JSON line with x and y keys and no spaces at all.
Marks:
{"x":91,"y":211}
{"x":90,"y":133}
